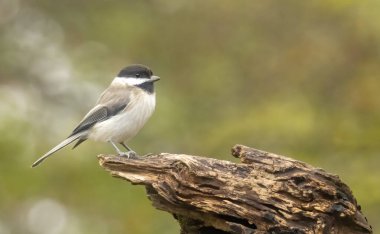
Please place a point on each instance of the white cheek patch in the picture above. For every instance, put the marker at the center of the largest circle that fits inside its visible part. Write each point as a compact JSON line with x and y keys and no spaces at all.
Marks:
{"x":130,"y":80}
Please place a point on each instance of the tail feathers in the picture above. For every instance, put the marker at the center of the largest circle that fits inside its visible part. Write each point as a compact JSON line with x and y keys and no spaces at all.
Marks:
{"x":58,"y":147}
{"x":79,"y":142}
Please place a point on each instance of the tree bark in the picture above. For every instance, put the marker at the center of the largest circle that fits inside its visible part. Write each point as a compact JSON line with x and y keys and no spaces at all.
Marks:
{"x":265,"y":193}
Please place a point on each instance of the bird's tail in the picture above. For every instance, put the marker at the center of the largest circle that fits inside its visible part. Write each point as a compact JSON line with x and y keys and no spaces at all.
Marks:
{"x":58,"y":147}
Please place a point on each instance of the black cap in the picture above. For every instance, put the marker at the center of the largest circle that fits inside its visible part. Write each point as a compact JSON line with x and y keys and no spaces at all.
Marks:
{"x":136,"y":71}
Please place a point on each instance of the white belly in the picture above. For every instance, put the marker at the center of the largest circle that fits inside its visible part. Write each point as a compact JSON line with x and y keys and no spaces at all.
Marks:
{"x":125,"y":125}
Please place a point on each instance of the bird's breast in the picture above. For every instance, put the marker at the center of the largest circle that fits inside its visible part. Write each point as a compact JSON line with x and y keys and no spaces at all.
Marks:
{"x":126,"y":124}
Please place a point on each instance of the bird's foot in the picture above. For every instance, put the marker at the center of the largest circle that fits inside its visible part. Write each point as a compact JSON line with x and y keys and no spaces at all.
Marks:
{"x":130,"y":154}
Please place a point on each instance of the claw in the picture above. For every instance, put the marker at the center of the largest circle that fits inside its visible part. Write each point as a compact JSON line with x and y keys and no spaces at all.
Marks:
{"x":130,"y":155}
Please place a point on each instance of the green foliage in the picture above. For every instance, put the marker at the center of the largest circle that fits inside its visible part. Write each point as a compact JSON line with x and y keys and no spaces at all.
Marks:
{"x":293,"y":77}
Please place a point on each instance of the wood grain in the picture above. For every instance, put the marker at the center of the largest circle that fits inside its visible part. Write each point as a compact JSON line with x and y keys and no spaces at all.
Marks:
{"x":265,"y":193}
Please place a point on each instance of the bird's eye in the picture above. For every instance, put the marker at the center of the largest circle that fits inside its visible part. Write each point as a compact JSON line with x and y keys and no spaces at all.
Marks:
{"x":137,"y":75}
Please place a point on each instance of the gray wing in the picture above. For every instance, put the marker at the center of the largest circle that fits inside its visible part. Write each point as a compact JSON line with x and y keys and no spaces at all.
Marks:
{"x":112,"y":101}
{"x":100,"y":114}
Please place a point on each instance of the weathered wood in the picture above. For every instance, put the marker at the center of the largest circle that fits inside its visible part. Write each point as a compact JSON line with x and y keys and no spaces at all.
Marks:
{"x":266,"y":193}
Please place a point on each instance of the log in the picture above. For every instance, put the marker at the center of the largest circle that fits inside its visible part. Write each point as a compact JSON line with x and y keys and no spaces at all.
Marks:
{"x":265,"y":193}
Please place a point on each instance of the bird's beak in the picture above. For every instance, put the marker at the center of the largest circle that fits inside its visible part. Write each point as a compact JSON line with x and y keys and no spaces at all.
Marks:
{"x":154,"y":78}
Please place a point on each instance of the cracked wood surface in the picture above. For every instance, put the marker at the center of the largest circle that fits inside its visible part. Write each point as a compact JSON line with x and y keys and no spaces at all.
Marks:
{"x":265,"y":193}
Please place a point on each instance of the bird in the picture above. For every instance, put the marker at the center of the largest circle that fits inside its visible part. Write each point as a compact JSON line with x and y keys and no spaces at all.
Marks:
{"x":119,"y":114}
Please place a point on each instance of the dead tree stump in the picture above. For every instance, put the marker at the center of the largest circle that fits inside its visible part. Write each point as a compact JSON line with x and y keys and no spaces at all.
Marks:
{"x":266,"y":193}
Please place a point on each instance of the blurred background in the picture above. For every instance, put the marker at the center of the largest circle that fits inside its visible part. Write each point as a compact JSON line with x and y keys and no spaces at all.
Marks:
{"x":298,"y":78}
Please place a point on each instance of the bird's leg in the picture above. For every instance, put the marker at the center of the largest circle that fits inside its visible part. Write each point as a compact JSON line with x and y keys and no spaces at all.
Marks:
{"x":125,"y":146}
{"x":119,"y":152}
{"x":131,"y":153}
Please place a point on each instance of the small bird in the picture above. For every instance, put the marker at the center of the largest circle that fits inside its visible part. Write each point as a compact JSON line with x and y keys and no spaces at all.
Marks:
{"x":119,"y":114}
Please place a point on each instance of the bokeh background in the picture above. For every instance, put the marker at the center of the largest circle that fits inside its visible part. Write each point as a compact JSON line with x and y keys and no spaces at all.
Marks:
{"x":298,"y":78}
